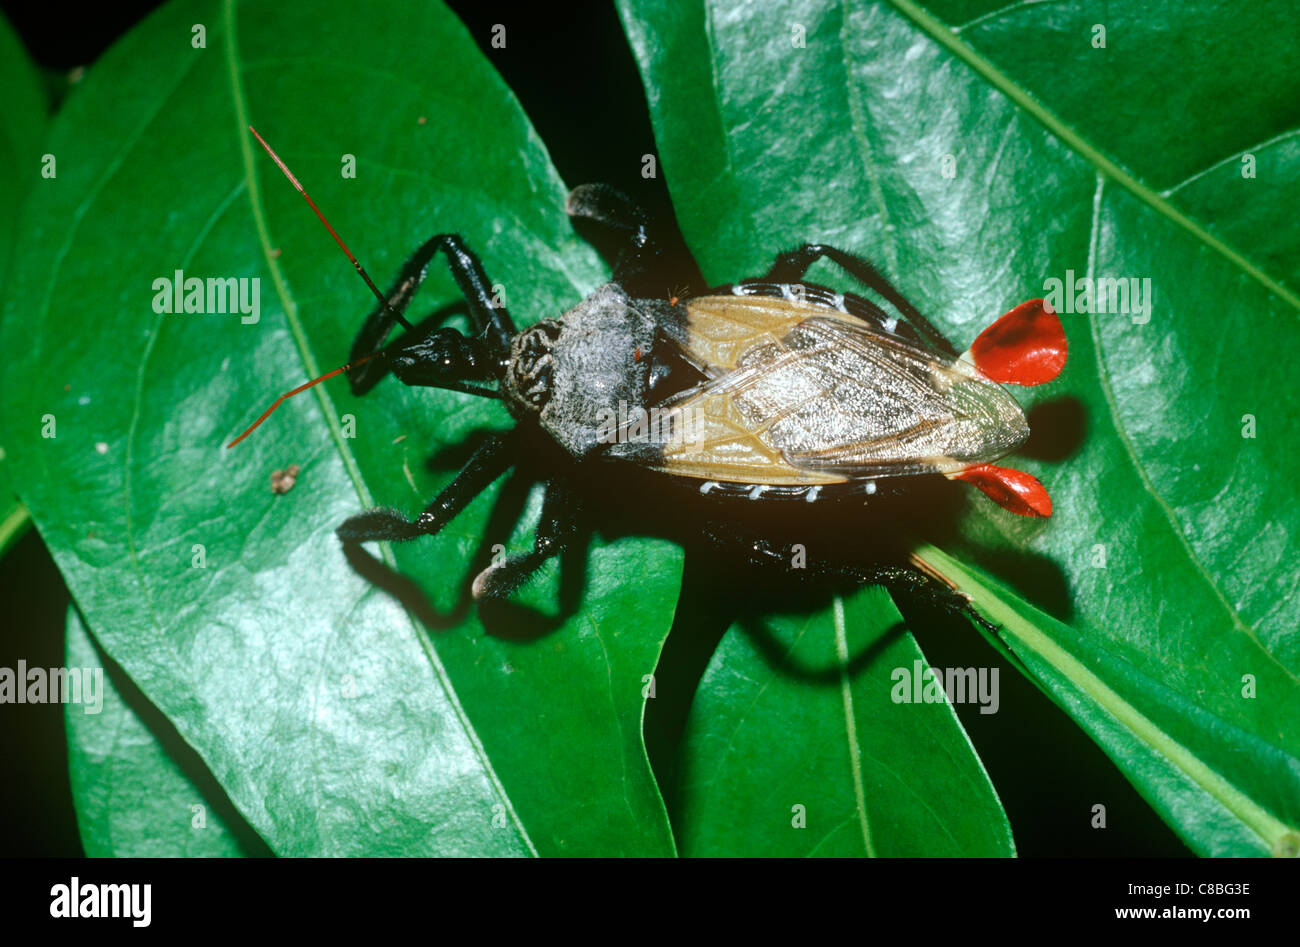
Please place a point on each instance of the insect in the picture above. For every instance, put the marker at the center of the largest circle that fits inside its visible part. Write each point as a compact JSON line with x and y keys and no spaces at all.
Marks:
{"x":769,"y":391}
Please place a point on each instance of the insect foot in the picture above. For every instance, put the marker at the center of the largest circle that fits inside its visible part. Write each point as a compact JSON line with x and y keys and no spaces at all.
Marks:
{"x":498,"y":581}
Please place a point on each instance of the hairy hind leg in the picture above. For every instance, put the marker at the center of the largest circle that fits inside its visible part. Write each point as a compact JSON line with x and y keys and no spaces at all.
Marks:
{"x":558,"y":525}
{"x":906,"y":580}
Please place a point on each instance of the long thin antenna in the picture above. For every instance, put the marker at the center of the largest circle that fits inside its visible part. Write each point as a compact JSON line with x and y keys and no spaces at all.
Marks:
{"x":360,"y":269}
{"x":337,"y":239}
{"x":289,"y":394}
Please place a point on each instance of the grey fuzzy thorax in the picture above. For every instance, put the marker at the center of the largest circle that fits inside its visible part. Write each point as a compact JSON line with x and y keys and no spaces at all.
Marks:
{"x":571,"y":372}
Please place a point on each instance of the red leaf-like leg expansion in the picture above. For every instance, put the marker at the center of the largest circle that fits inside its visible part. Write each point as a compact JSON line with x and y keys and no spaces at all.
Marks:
{"x":1013,"y":490}
{"x":1025,"y":347}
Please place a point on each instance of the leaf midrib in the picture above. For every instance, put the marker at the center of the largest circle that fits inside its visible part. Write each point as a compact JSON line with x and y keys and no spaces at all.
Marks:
{"x":851,"y":724}
{"x":1252,"y":814}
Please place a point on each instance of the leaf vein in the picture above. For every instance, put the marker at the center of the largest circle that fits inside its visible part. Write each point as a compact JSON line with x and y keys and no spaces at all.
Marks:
{"x":944,"y":36}
{"x":309,"y":362}
{"x":1121,"y":434}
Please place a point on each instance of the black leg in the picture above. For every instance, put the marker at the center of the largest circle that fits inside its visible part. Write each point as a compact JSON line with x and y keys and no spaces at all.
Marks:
{"x":643,"y":258}
{"x":906,"y":580}
{"x":920,"y":586}
{"x":491,"y":321}
{"x":487,"y":463}
{"x":790,"y":268}
{"x":557,"y":527}
{"x":617,"y":227}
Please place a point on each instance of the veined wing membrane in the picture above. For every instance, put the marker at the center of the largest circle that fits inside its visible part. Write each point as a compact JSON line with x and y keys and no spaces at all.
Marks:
{"x":827,"y":399}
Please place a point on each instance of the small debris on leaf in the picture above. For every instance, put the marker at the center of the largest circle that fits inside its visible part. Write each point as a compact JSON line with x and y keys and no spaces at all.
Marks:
{"x":282,"y":481}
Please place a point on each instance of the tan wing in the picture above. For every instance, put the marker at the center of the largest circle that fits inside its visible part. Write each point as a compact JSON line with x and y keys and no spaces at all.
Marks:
{"x":802,"y":394}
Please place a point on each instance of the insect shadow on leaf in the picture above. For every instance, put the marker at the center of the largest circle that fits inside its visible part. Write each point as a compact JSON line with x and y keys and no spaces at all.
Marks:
{"x":1057,"y":428}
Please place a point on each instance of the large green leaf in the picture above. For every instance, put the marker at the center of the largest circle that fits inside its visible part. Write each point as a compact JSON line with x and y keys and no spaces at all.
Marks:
{"x":139,"y":790}
{"x":333,"y":720}
{"x":22,"y":127}
{"x":811,"y":754}
{"x":873,"y":127}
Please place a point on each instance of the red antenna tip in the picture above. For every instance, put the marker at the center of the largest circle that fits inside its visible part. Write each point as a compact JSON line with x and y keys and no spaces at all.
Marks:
{"x":337,"y":239}
{"x":289,"y":394}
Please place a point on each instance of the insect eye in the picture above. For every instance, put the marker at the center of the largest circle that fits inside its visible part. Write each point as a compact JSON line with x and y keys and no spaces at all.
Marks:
{"x":531,"y":372}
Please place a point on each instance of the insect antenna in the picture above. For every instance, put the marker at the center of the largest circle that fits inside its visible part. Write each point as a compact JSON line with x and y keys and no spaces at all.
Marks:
{"x":360,"y":270}
{"x":289,"y":394}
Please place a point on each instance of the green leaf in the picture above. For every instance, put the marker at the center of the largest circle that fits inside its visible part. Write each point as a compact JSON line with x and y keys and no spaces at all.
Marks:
{"x":22,"y":127}
{"x":1236,"y":177}
{"x":133,"y":799}
{"x":806,"y":752}
{"x":1173,"y":547}
{"x":335,"y":722}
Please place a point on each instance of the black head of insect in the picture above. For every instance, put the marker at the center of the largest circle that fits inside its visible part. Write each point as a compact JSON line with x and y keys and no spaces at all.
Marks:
{"x":446,"y":359}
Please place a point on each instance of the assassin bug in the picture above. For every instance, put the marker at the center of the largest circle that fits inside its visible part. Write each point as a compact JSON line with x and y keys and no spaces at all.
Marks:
{"x":772,"y":390}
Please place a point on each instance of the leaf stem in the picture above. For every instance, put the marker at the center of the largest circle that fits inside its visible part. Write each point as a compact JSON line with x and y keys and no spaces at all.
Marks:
{"x":1275,"y":834}
{"x":13,"y":525}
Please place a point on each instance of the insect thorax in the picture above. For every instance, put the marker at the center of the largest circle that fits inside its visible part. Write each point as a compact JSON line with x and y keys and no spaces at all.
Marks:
{"x":570,"y":373}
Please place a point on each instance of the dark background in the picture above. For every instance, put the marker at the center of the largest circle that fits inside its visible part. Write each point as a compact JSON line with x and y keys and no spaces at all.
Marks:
{"x":571,"y":68}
